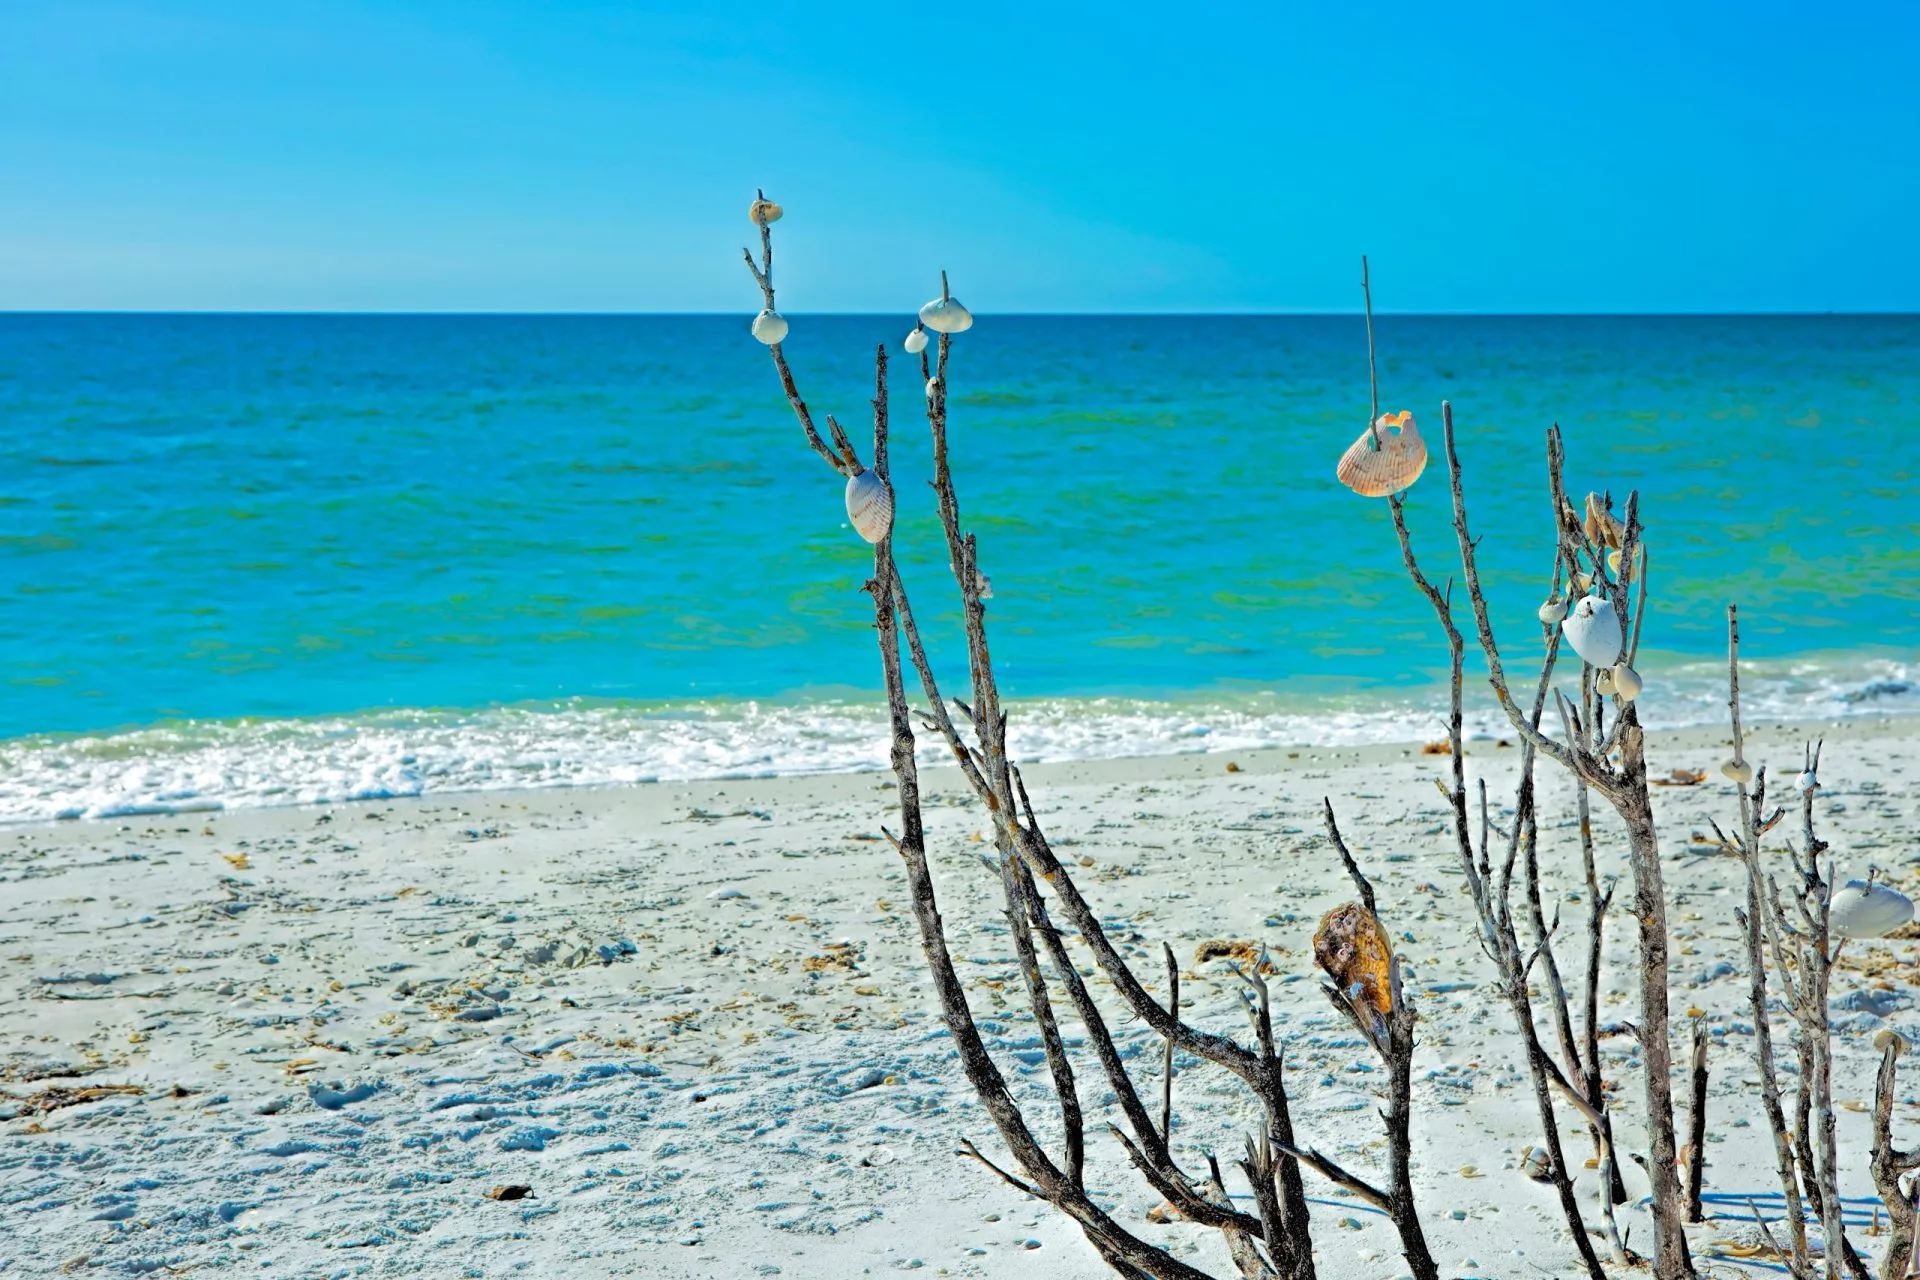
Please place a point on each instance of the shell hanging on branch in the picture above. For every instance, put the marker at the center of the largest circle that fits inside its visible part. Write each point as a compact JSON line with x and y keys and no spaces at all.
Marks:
{"x":1863,"y":909}
{"x":1352,"y":947}
{"x":764,"y":212}
{"x":1593,"y":629}
{"x":1388,"y":457}
{"x":1738,"y":771}
{"x":1553,"y":610}
{"x":916,"y":341}
{"x":770,"y":327}
{"x":946,"y":315}
{"x":1602,"y":527}
{"x":869,"y":505}
{"x":1627,"y":682}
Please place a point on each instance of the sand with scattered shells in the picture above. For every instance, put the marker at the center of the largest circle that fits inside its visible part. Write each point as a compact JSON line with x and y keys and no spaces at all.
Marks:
{"x":692,"y":1019}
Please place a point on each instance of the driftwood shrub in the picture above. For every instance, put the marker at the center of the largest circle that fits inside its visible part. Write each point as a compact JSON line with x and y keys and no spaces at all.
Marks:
{"x":1589,"y":632}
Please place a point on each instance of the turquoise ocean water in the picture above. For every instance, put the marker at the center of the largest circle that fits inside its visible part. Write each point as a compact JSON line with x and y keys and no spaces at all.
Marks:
{"x":264,"y":559}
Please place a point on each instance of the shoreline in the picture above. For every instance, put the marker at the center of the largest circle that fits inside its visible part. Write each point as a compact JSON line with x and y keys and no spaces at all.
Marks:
{"x":694,"y":1017}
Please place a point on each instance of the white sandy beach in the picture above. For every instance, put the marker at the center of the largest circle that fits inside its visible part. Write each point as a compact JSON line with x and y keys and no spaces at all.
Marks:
{"x":693,"y":1019}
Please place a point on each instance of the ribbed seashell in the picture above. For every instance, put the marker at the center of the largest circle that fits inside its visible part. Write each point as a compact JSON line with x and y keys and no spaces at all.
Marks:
{"x":869,"y":505}
{"x":1387,"y":458}
{"x":764,"y":212}
{"x":1738,"y":770}
{"x":916,"y":341}
{"x":1593,"y":629}
{"x":946,"y":315}
{"x":1603,"y":683}
{"x":1626,"y":681}
{"x":1353,"y":949}
{"x":1536,"y":1164}
{"x":1552,"y":611}
{"x":1863,"y":910}
{"x":770,"y":327}
{"x":1808,"y":781}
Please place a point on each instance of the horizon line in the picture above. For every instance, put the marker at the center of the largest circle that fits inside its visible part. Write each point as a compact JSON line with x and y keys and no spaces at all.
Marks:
{"x":1354,"y":313}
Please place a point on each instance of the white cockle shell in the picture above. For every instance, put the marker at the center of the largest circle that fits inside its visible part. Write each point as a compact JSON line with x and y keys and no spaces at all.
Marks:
{"x":1388,"y":457}
{"x":1593,"y":629}
{"x":946,"y":315}
{"x":770,"y":327}
{"x":1603,"y":682}
{"x":1627,"y":682}
{"x":1738,"y":770}
{"x":869,"y":505}
{"x":916,"y":341}
{"x":1808,"y":781}
{"x":1553,"y":610}
{"x":764,"y":212}
{"x":1863,"y":910}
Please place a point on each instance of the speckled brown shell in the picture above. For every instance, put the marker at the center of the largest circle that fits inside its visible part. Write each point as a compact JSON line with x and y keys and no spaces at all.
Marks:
{"x":1352,"y":947}
{"x":1374,"y":470}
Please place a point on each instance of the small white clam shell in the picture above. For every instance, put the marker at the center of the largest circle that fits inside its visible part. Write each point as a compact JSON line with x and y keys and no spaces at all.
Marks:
{"x":1553,"y":610}
{"x":1862,"y":910}
{"x":1626,"y":681}
{"x":1808,"y":781}
{"x":1888,"y":1038}
{"x":933,"y":387}
{"x":869,"y":505}
{"x":770,"y":327}
{"x":916,"y":341}
{"x":1603,"y":682}
{"x":1387,"y":458}
{"x":1738,"y":770}
{"x":1593,"y":629}
{"x":764,"y":212}
{"x":946,"y":315}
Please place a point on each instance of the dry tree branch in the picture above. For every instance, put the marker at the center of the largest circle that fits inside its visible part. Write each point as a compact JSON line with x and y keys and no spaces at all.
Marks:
{"x":1890,"y":1164}
{"x":1345,"y":948}
{"x":1491,"y":895}
{"x":1125,"y":1252}
{"x":1625,"y":787}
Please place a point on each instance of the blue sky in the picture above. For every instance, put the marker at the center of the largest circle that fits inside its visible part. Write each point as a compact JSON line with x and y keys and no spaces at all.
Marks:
{"x":599,"y":157}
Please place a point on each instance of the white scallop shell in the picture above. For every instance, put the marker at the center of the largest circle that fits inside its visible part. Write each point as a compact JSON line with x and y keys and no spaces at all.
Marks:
{"x":1627,"y":682}
{"x":1375,"y":467}
{"x":1862,"y":910}
{"x":1593,"y":629}
{"x":1738,"y":770}
{"x":1553,"y":610}
{"x":946,"y":315}
{"x":916,"y":342}
{"x":869,"y":505}
{"x":770,"y":327}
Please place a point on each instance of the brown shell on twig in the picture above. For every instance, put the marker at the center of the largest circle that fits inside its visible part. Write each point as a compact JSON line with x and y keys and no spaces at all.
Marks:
{"x":1388,"y":457}
{"x":764,"y":212}
{"x":1352,"y":947}
{"x":1603,"y":528}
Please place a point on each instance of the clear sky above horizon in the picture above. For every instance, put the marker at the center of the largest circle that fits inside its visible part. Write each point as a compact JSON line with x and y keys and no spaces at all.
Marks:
{"x":599,"y":157}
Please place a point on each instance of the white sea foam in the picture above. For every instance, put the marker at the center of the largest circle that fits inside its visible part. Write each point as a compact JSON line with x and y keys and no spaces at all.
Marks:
{"x":206,"y":765}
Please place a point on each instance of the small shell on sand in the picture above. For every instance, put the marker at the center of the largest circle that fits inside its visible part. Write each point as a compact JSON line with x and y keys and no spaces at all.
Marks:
{"x":727,"y":893}
{"x":1387,"y":458}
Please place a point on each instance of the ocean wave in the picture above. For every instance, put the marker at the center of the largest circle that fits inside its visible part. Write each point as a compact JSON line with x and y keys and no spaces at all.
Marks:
{"x":210,"y":765}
